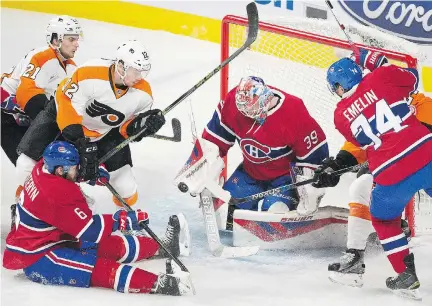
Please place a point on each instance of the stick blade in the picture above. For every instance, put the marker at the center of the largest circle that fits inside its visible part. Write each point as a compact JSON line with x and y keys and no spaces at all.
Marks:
{"x":176,"y":125}
{"x":253,"y":19}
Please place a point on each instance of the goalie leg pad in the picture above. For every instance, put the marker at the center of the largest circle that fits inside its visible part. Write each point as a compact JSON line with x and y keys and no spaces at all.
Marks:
{"x":289,"y":197}
{"x":241,"y":185}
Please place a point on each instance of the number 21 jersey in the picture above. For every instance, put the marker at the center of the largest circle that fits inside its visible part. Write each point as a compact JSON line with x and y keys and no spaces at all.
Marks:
{"x":376,"y":115}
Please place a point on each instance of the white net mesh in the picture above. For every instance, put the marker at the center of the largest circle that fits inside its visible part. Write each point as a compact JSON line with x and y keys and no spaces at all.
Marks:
{"x":298,"y":66}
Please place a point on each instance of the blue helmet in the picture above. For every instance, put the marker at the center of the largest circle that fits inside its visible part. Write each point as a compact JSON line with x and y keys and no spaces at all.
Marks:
{"x":60,"y":154}
{"x":345,"y":72}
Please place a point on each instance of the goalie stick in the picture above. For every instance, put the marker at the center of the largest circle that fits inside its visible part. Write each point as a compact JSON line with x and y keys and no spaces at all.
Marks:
{"x":176,"y":127}
{"x":257,"y":196}
{"x":213,"y":238}
{"x":252,"y":13}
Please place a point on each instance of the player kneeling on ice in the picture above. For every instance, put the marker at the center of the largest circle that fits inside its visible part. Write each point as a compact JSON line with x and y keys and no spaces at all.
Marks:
{"x":375,"y":114}
{"x":274,"y":130}
{"x":57,"y":240}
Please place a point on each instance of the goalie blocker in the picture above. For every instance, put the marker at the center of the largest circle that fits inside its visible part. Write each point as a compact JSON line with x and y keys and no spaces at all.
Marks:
{"x":308,"y":227}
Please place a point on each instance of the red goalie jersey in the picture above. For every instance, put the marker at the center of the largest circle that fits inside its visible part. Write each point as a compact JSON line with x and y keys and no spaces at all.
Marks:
{"x":376,"y":115}
{"x":289,"y":134}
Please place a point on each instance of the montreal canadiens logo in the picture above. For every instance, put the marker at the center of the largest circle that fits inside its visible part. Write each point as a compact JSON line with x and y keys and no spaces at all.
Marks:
{"x":255,"y":151}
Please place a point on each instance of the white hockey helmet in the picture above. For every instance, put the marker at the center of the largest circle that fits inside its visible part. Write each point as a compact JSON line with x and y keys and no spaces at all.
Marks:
{"x":134,"y":54}
{"x":61,"y":26}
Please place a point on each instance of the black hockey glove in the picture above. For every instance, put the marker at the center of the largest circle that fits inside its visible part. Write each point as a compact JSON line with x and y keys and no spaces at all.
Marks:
{"x":151,"y":121}
{"x":324,"y":176}
{"x":89,"y":165}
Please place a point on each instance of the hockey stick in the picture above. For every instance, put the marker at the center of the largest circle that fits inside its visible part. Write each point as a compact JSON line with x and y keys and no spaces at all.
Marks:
{"x":146,"y":228}
{"x":213,"y":238}
{"x":252,"y":13}
{"x":275,"y":191}
{"x":176,"y":126}
{"x":342,"y":27}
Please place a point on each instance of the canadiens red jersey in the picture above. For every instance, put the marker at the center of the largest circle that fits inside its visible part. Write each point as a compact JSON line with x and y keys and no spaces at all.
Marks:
{"x":51,"y":213}
{"x":376,"y":115}
{"x":289,"y":134}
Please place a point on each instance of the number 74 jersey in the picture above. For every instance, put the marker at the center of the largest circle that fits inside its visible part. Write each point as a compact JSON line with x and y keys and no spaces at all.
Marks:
{"x":376,"y":115}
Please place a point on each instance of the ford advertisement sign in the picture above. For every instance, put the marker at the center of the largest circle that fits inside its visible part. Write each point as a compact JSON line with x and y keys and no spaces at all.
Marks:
{"x":411,"y":20}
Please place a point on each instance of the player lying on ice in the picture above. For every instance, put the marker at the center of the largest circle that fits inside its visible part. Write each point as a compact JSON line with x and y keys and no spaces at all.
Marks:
{"x":57,"y":240}
{"x":376,"y":113}
{"x":274,"y":130}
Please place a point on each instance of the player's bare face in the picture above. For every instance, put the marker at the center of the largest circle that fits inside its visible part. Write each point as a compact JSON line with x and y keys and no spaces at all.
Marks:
{"x":72,"y":174}
{"x":69,"y":46}
{"x":132,"y":77}
{"x":339,"y":91}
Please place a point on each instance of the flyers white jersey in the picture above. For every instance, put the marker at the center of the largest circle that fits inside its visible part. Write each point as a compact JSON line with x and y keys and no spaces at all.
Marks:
{"x":91,"y":98}
{"x":39,"y":72}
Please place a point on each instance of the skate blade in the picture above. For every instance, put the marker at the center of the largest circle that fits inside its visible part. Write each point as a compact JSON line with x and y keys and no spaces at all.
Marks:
{"x":413,"y":294}
{"x":347,"y":279}
{"x":185,"y":238}
{"x":185,"y":284}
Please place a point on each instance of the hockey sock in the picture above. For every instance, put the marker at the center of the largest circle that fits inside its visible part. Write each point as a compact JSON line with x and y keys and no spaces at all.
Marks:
{"x":123,"y":278}
{"x":359,"y":226}
{"x":127,"y":248}
{"x":393,"y":240}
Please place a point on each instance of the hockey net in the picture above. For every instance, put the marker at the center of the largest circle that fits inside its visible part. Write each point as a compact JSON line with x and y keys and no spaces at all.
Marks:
{"x":294,"y":56}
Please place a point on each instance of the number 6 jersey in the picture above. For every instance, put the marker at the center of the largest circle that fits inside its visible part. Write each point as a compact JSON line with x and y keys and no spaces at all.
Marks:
{"x":376,"y":115}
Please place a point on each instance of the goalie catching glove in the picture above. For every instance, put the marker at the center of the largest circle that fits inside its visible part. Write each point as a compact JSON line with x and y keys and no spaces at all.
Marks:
{"x":150,"y":121}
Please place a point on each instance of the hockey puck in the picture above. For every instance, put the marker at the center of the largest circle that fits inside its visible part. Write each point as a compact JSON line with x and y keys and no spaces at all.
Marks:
{"x":183,"y":187}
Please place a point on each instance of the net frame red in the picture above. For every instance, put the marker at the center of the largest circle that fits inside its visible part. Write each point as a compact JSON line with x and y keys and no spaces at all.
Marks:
{"x":410,"y":61}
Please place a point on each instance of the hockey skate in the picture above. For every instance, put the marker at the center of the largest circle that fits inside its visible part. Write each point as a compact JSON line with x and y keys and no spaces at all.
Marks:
{"x":177,"y":237}
{"x":174,"y":282}
{"x":406,"y":284}
{"x":349,"y":270}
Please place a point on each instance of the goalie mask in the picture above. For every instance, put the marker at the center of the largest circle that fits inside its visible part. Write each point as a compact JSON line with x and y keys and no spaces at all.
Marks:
{"x":253,"y":98}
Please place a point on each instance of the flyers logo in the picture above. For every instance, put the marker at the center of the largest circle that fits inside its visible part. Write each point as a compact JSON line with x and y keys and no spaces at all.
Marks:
{"x":108,"y":115}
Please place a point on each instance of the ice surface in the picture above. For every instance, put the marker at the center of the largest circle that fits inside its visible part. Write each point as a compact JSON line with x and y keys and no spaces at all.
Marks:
{"x":269,"y":278}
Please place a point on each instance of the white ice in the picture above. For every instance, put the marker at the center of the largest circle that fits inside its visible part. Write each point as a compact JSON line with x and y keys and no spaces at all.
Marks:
{"x":269,"y":278}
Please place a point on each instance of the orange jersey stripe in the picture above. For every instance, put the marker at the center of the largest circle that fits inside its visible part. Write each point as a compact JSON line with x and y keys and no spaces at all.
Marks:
{"x":359,"y":211}
{"x":422,"y":108}
{"x":28,"y":88}
{"x":358,"y":153}
{"x":144,"y":86}
{"x":66,"y":113}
